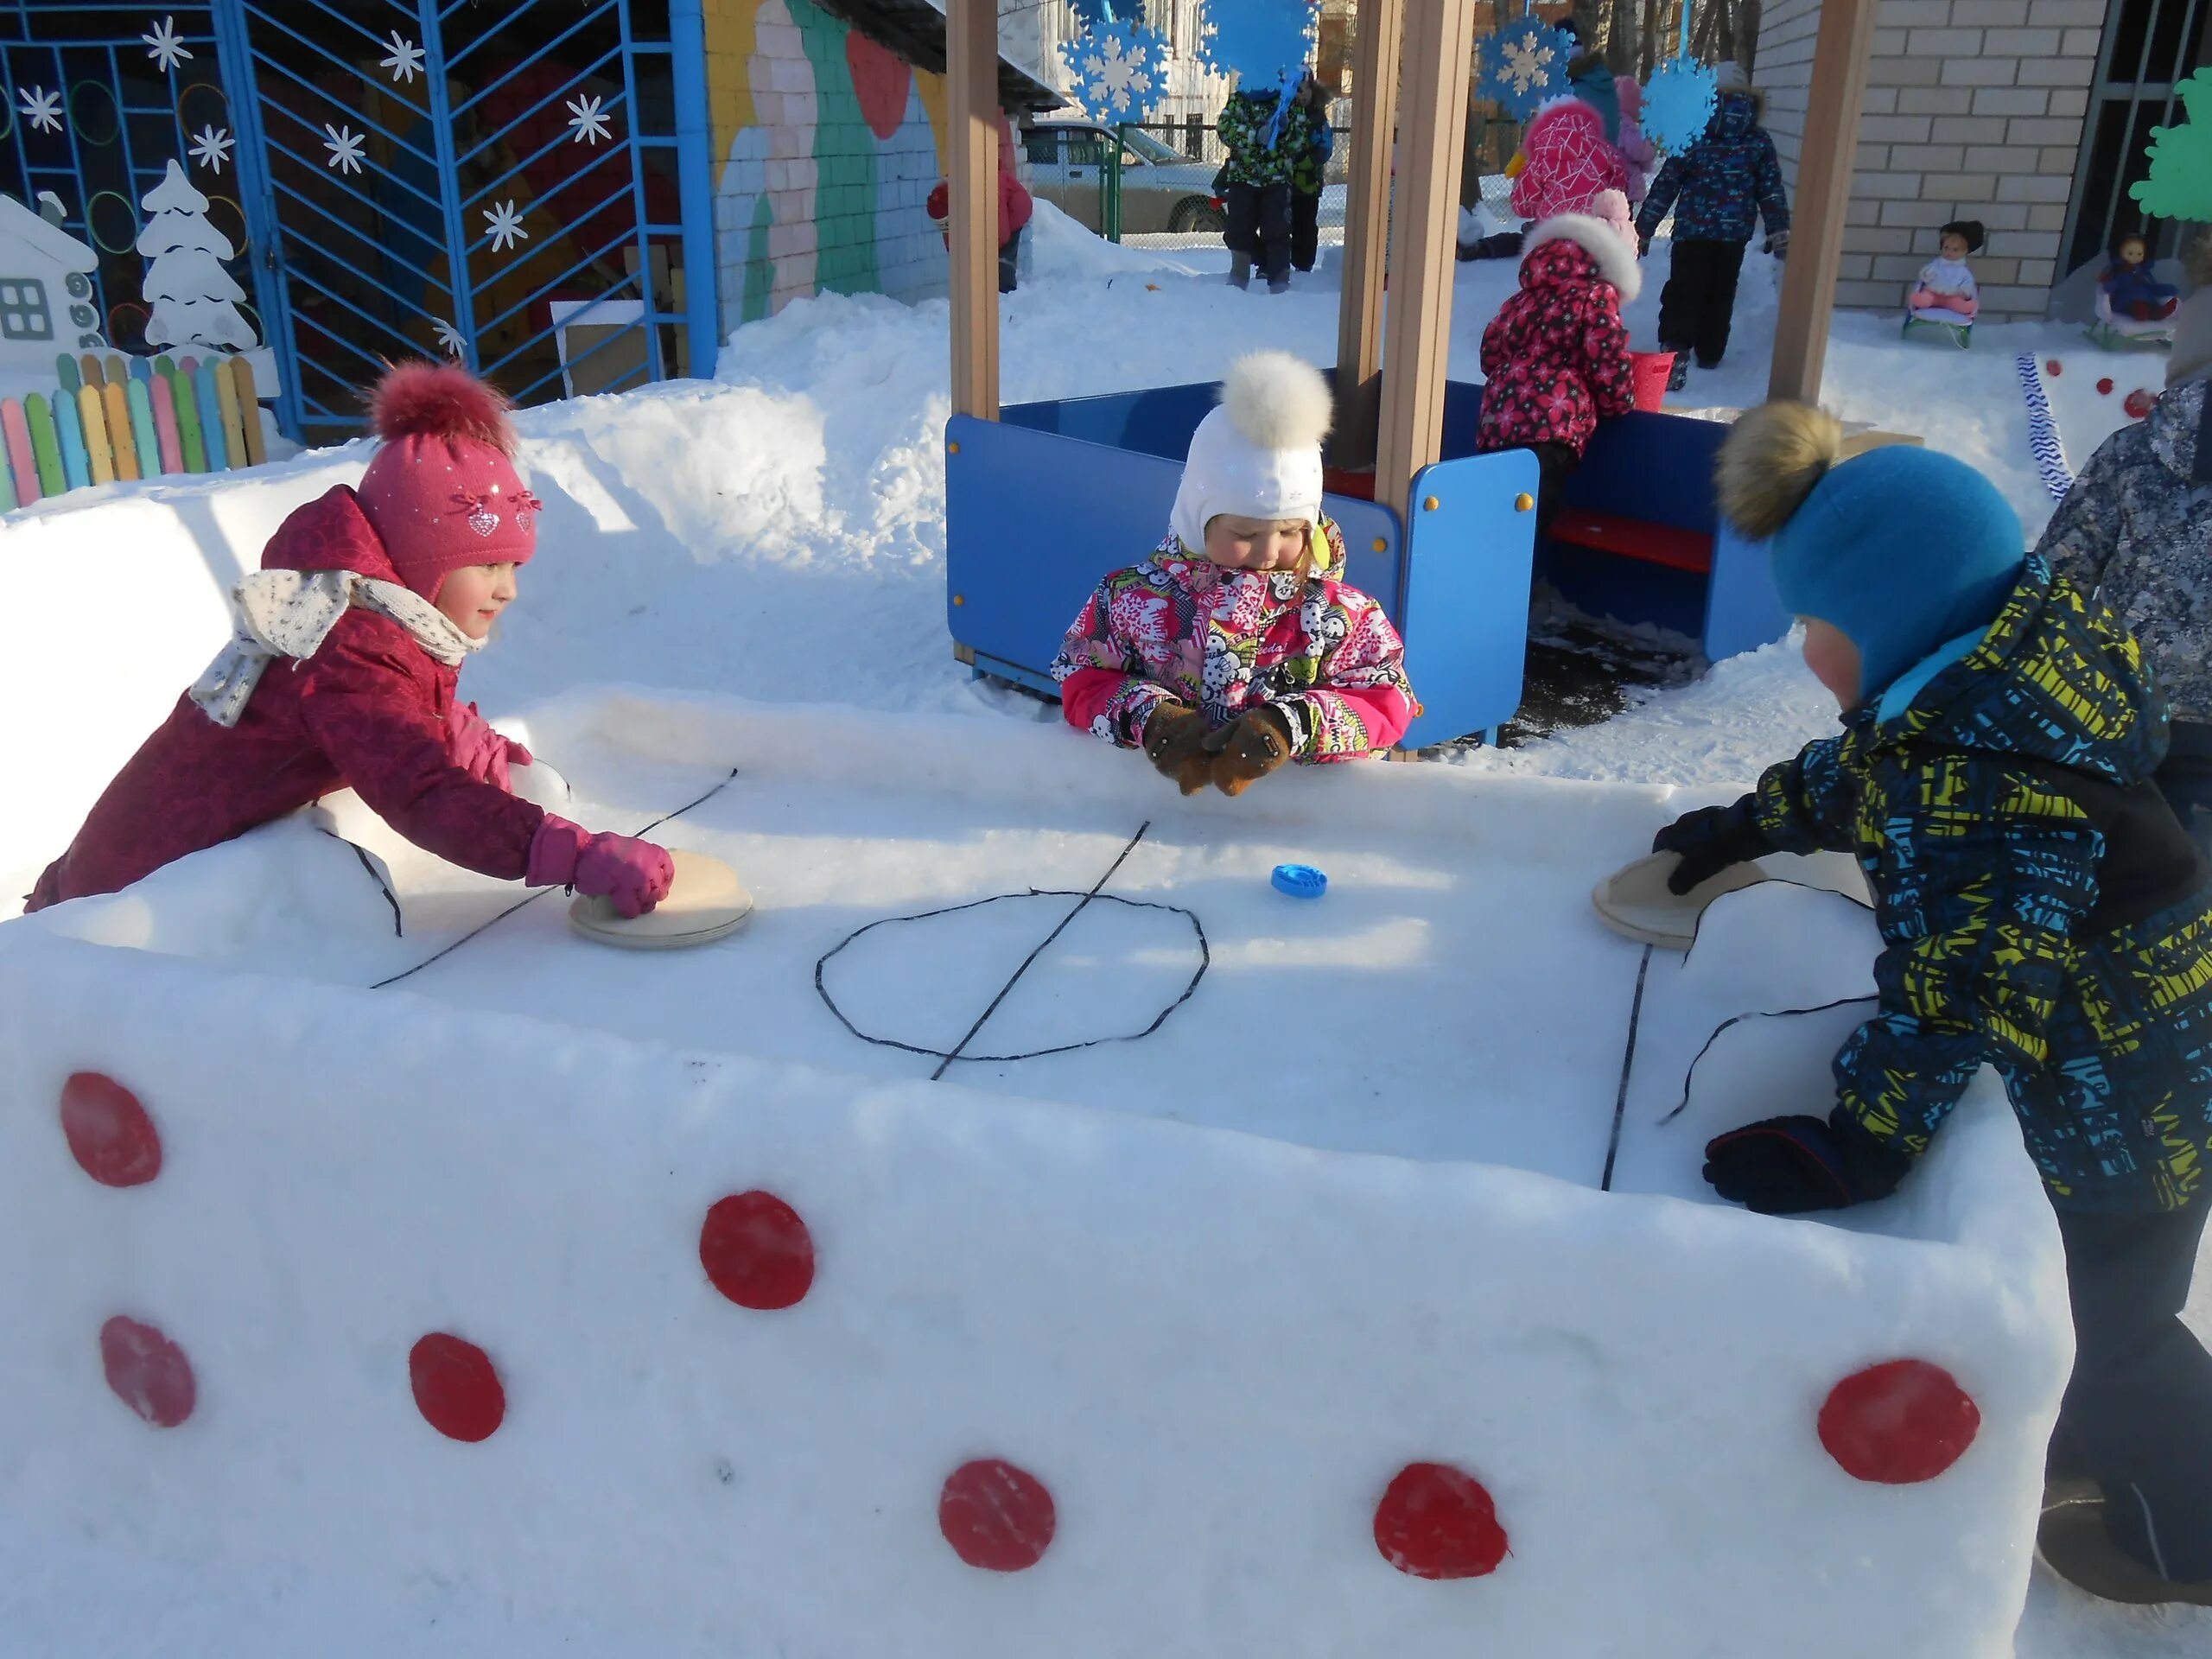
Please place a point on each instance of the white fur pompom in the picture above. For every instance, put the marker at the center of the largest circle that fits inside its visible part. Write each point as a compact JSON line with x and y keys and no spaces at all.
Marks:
{"x":1277,"y":401}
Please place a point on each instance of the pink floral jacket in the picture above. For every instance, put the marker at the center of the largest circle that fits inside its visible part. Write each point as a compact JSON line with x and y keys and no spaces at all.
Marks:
{"x":1181,"y":629}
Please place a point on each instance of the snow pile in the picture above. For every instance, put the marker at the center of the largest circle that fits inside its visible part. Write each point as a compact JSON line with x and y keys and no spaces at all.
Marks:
{"x":1058,"y":246}
{"x":586,"y":1274}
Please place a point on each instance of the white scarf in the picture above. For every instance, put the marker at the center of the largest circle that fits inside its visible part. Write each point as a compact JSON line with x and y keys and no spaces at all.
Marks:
{"x":290,"y":612}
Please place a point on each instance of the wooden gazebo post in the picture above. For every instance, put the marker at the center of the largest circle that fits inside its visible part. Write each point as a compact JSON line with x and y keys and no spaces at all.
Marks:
{"x":1432,"y":137}
{"x":1824,"y":172}
{"x":972,"y":113}
{"x":1359,"y":316}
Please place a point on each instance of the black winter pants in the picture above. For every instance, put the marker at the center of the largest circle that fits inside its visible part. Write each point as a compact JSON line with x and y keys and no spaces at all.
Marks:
{"x":1305,"y":230}
{"x":1699,"y":301}
{"x":1010,"y":263}
{"x":1555,"y":464}
{"x":2186,"y":779}
{"x":1259,"y":228}
{"x":2137,"y":1415}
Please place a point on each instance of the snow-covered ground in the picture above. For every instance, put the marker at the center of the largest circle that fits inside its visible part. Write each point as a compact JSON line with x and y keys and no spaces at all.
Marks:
{"x":780,"y":535}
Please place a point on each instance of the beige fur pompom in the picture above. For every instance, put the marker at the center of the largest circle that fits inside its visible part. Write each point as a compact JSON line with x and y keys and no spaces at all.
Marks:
{"x":1277,"y":401}
{"x":1773,"y":459}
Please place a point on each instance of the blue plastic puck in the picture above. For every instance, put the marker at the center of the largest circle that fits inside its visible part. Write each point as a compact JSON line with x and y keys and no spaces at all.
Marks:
{"x":1299,"y":881}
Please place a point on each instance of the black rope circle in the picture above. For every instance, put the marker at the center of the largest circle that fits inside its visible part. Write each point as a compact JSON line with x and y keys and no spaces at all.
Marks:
{"x":1198,"y":932}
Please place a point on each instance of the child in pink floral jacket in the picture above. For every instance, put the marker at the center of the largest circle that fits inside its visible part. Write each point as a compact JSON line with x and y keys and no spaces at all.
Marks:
{"x":1235,"y":648}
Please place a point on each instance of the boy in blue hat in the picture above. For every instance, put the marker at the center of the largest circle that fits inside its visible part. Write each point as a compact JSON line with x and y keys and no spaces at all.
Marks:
{"x":2042,"y":910}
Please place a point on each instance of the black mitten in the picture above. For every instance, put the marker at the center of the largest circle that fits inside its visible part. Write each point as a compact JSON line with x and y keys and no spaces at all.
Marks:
{"x":1710,"y":840}
{"x":1790,"y":1166}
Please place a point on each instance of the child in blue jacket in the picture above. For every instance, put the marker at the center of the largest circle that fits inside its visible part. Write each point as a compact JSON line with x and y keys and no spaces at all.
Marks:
{"x":1717,"y":188}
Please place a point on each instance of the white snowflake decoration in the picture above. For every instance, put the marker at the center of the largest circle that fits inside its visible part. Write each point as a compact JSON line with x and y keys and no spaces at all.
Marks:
{"x":164,"y":46}
{"x":345,"y":148}
{"x":1119,"y":70}
{"x":587,"y":120}
{"x":40,"y":108}
{"x":504,"y":225}
{"x":404,"y":60}
{"x":449,"y":339}
{"x":211,"y":147}
{"x":1524,"y":65}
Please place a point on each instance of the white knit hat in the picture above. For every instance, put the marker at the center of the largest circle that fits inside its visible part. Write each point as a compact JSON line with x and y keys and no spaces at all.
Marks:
{"x":1259,"y":454}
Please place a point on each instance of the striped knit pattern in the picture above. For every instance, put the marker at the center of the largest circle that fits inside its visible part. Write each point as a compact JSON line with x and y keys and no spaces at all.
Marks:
{"x":2043,"y":431}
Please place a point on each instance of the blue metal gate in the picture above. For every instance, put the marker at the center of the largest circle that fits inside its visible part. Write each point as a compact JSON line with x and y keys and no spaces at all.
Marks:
{"x":99,"y":97}
{"x":505,"y":184}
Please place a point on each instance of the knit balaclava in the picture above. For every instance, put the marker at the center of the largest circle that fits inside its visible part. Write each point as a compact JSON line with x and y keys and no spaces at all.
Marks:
{"x":1258,"y":456}
{"x":442,"y":491}
{"x":1900,"y":548}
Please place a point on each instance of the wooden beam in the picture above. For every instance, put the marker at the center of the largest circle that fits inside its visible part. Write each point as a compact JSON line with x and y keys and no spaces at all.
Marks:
{"x":972,"y":113}
{"x":1424,"y":248}
{"x":1824,"y":174}
{"x":1367,"y":217}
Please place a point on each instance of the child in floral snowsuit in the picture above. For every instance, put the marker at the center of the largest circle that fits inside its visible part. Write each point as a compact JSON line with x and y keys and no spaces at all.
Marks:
{"x":1235,"y":648}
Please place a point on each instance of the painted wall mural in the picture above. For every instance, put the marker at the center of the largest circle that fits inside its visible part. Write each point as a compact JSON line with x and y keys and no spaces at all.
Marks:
{"x":828,"y":145}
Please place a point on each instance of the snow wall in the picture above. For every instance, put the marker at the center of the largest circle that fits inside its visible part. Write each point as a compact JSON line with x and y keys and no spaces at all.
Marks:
{"x":823,"y":1365}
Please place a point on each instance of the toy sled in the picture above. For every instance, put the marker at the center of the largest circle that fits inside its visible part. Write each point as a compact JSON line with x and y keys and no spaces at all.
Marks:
{"x":1944,"y":328}
{"x":2110,"y":332}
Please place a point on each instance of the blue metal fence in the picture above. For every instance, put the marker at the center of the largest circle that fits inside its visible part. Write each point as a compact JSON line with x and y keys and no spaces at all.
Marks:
{"x":520,"y":184}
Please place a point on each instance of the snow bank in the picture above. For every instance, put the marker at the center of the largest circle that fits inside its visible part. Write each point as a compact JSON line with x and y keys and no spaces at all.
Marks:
{"x":1314,"y":1400}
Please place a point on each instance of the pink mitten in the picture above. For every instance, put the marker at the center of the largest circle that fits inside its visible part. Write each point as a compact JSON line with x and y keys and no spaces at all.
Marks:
{"x":480,"y":751}
{"x":635,"y":874}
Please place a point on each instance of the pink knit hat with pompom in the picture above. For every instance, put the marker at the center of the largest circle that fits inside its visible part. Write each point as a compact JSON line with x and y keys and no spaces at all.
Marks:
{"x":442,"y":491}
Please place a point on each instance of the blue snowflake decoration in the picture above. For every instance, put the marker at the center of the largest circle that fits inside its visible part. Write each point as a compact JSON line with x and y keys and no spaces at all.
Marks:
{"x":1119,"y":70}
{"x":1267,"y":42}
{"x":1523,"y":66}
{"x":1678,"y":104}
{"x":1094,"y":14}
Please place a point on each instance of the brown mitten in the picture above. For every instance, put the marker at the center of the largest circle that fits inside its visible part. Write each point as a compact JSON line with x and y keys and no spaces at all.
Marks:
{"x":1249,"y":748}
{"x":1174,"y":741}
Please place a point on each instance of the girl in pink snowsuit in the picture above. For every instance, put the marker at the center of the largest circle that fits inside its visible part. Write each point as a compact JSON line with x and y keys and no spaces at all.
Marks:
{"x":343,"y":672}
{"x":1235,"y":648}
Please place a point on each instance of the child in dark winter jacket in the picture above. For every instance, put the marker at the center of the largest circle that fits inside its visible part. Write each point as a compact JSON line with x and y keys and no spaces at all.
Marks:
{"x":1555,"y":358}
{"x":1309,"y":175}
{"x":2136,"y":528}
{"x":1717,"y":188}
{"x":1237,"y":646}
{"x":367,"y":602}
{"x":1262,"y":152}
{"x":2042,"y":913}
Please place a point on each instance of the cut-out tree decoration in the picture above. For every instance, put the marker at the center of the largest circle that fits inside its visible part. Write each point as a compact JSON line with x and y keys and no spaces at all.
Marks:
{"x":1523,"y":66}
{"x":2180,"y":185}
{"x":1119,"y":70}
{"x":1678,"y":104}
{"x":191,"y":299}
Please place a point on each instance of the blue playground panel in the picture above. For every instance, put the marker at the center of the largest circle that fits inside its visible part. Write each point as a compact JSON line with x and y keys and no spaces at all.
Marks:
{"x":1043,"y":502}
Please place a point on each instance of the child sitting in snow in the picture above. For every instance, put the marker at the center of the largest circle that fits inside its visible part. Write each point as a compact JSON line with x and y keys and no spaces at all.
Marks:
{"x":1724,"y":182}
{"x":1556,"y":359}
{"x":349,"y":644}
{"x":2133,"y":288}
{"x":2042,"y":913}
{"x":1236,"y":647}
{"x":1946,"y":283}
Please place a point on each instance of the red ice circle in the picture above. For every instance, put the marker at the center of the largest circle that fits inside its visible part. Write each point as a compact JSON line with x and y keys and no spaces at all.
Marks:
{"x":2053,"y":366}
{"x":1436,"y":1522}
{"x":149,"y":1373}
{"x":2104,"y":387}
{"x":109,"y":1135}
{"x":457,"y":1389}
{"x":996,"y":1516}
{"x":757,"y":1251}
{"x":1898,"y":1423}
{"x":2137,"y":403}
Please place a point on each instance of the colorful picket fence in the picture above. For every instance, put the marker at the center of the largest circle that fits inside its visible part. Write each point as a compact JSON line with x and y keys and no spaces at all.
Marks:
{"x":115,"y":417}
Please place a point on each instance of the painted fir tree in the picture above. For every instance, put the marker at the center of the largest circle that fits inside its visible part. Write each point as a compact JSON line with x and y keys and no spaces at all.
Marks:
{"x":191,"y":299}
{"x":2180,"y":185}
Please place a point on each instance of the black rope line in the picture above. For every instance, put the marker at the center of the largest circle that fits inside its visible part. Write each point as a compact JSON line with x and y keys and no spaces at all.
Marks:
{"x":1197,"y":930}
{"x":399,"y":932}
{"x":407,"y":973}
{"x":1081,"y":905}
{"x":1682,"y":1105}
{"x":1628,"y":1066}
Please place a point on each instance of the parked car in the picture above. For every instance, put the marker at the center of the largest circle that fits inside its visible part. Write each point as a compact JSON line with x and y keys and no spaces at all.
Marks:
{"x":1162,"y":190}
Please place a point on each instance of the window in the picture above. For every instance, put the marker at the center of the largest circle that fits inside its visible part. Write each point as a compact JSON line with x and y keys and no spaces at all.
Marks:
{"x":1146,"y":148}
{"x":1041,"y":146}
{"x":1086,"y":148}
{"x":23,"y":315}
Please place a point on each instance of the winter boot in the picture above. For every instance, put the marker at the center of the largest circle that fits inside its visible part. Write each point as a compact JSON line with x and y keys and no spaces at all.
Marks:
{"x":1279,"y":285}
{"x":1240,"y":271}
{"x":1679,"y":375}
{"x":1705,"y":362}
{"x":2072,"y":1541}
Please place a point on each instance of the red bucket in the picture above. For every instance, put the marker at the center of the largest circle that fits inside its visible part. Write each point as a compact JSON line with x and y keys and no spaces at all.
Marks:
{"x":1651,"y":370}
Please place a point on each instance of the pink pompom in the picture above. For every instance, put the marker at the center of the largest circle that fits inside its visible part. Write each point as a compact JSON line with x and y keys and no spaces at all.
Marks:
{"x":439,"y":400}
